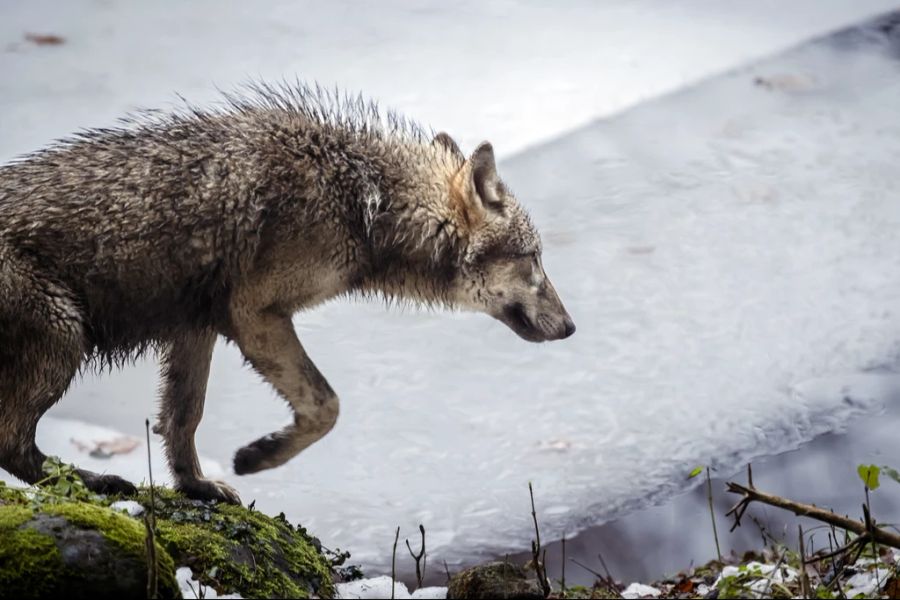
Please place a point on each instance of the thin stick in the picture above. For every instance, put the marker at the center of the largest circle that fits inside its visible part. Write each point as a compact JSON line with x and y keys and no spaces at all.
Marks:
{"x":870,"y":525}
{"x":394,"y":563}
{"x":150,"y":526}
{"x":712,"y":513}
{"x":420,"y":572}
{"x":536,"y":549}
{"x":608,"y":584}
{"x":605,"y":568}
{"x":562,"y":583}
{"x":807,"y":510}
{"x":846,"y":548}
{"x":804,"y":577}
{"x":771,"y":578}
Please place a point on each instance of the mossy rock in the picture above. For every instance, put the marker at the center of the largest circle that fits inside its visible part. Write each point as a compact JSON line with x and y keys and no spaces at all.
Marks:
{"x":232,"y":548}
{"x":75,"y":550}
{"x":494,"y":580}
{"x":51,"y":544}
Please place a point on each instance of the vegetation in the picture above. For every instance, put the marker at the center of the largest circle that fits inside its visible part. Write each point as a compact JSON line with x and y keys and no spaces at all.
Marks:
{"x":229,"y":548}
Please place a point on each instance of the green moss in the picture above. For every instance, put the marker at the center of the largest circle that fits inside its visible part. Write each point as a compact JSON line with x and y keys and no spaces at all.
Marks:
{"x":232,"y":548}
{"x":24,"y":550}
{"x":13,"y":515}
{"x":128,"y":534}
{"x":29,"y":561}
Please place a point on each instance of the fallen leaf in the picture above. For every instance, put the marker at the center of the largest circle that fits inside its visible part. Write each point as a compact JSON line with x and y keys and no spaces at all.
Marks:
{"x":45,"y":39}
{"x":107,"y":448}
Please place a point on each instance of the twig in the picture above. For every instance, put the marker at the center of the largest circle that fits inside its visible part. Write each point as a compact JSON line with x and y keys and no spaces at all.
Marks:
{"x":608,"y":584}
{"x":712,"y":513}
{"x":536,"y":549}
{"x":835,"y":570}
{"x":447,"y":571}
{"x":806,"y":510}
{"x":840,"y":551}
{"x":870,"y":525}
{"x":562,"y":583}
{"x":772,"y":575}
{"x":605,"y":568}
{"x":804,"y":577}
{"x":150,"y":526}
{"x":394,"y":563}
{"x":420,"y":573}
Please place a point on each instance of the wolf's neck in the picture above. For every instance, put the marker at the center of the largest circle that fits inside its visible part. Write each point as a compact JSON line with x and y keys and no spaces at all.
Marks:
{"x":414,"y":244}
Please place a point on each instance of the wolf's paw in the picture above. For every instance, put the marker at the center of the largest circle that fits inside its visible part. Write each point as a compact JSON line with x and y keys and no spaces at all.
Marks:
{"x":107,"y":484}
{"x":258,"y":455}
{"x":209,"y":489}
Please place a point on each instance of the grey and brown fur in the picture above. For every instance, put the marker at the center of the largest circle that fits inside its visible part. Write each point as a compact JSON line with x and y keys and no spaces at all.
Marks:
{"x":174,"y":229}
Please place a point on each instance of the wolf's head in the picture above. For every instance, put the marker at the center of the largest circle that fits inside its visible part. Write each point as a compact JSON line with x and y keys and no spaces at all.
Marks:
{"x":501,"y":272}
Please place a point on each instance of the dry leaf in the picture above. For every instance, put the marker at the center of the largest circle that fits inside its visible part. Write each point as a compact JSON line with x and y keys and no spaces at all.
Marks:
{"x":45,"y":39}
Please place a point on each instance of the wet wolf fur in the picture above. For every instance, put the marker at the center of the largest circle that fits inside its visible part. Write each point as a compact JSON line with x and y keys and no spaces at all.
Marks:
{"x":173,"y":229}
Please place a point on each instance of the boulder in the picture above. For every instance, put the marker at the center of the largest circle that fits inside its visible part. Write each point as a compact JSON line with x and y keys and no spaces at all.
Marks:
{"x":79,"y":546}
{"x":497,"y":579}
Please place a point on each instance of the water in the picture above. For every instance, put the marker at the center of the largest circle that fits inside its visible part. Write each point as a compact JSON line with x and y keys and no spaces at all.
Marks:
{"x":729,"y":254}
{"x":658,"y":541}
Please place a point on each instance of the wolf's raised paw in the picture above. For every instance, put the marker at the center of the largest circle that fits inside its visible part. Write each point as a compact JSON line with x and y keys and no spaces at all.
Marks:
{"x":209,"y":489}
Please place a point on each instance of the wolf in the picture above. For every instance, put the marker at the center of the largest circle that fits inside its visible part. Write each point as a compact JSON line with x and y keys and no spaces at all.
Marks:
{"x":174,"y":228}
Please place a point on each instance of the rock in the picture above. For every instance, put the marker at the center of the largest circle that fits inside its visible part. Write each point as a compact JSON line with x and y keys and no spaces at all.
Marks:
{"x":494,"y":580}
{"x":76,"y":551}
{"x":87,"y":546}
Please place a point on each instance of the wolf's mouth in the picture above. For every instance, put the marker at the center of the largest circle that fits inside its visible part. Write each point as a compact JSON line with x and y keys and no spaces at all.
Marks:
{"x":515,"y":317}
{"x":516,"y":314}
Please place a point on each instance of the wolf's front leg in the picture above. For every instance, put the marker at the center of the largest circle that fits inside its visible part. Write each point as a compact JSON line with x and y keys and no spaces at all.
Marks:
{"x":185,"y":370}
{"x":269,"y":343}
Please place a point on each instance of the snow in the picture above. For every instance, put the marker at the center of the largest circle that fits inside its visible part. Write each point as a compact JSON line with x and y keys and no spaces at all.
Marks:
{"x":864,"y":585}
{"x":639,"y":590}
{"x":768,"y":575}
{"x":134,"y":509}
{"x":71,"y":439}
{"x":192,"y":588}
{"x":380,"y":587}
{"x":728,"y":253}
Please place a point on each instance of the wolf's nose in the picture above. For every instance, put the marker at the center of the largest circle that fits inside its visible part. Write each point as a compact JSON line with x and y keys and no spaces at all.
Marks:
{"x":570,"y":327}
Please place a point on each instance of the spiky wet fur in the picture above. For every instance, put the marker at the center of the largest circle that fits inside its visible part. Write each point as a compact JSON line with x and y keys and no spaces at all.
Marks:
{"x":177,"y":227}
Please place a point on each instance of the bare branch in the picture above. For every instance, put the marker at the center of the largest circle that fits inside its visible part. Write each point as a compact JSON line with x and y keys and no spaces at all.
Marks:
{"x":807,"y":510}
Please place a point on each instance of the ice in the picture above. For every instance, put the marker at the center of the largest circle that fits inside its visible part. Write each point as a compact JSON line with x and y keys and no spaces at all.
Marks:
{"x":515,"y":73}
{"x":729,"y":253}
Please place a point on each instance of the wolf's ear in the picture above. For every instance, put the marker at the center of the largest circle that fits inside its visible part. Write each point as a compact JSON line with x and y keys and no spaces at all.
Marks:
{"x":444,"y":139}
{"x":485,"y":182}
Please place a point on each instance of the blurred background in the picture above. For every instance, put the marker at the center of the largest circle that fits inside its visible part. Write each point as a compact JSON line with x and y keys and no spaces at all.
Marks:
{"x":715,"y":183}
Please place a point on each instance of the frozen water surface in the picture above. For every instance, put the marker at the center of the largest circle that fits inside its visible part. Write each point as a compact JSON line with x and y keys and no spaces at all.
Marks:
{"x":730,"y":257}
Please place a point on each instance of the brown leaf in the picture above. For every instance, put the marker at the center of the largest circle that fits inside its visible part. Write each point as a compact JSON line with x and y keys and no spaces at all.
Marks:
{"x":892,"y":588}
{"x":45,"y":39}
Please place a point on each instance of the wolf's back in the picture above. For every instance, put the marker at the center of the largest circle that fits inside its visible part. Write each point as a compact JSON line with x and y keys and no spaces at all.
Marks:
{"x":144,"y":228}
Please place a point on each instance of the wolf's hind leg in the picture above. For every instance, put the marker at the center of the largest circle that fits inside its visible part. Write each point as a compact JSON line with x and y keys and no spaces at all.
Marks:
{"x":41,"y":347}
{"x":269,"y":343}
{"x":185,"y":371}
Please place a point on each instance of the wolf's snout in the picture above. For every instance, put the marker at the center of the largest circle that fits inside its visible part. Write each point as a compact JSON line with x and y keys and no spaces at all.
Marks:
{"x":569,"y":327}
